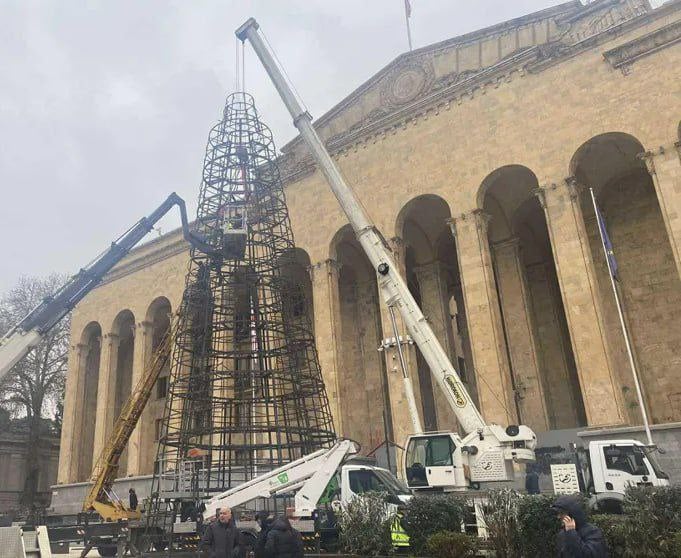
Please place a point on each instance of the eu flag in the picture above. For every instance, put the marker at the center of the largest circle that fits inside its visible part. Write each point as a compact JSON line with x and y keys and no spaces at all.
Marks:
{"x":612,"y":262}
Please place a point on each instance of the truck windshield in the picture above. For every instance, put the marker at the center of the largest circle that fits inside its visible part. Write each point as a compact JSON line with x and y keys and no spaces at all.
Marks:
{"x":375,"y":480}
{"x":656,"y":467}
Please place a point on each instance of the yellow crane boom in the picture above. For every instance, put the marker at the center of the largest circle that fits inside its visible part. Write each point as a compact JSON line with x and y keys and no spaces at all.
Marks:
{"x":101,"y":498}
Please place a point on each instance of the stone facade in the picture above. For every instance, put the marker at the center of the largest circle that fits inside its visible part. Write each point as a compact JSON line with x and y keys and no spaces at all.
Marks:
{"x":13,"y":449}
{"x":474,"y":157}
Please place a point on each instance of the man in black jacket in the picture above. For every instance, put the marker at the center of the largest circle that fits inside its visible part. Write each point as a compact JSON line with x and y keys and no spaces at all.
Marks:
{"x":578,"y":539}
{"x":220,"y":537}
{"x":283,"y":541}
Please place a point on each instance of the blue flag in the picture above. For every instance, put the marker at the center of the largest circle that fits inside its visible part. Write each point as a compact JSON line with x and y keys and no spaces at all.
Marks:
{"x":612,"y":262}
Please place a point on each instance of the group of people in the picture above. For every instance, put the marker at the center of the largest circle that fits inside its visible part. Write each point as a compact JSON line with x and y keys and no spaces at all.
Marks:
{"x":276,"y":539}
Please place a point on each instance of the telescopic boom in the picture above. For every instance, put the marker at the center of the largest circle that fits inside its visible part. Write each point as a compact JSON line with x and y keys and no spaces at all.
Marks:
{"x":391,"y":284}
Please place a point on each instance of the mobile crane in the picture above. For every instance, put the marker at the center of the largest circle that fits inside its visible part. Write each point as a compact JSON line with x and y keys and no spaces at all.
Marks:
{"x":28,"y":333}
{"x":488,"y":451}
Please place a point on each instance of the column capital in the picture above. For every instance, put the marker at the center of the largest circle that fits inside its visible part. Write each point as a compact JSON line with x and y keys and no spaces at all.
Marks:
{"x":111,"y":336}
{"x":330,"y":266}
{"x":144,"y":325}
{"x":662,"y":152}
{"x":540,"y":193}
{"x":396,"y":241}
{"x":80,"y":348}
{"x":482,"y":219}
{"x":575,"y":187}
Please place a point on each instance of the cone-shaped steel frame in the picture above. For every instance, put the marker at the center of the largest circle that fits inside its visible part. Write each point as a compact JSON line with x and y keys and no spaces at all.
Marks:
{"x":246,"y":391}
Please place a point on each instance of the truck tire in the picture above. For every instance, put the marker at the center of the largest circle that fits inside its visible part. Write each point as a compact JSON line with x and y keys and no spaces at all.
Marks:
{"x":107,"y":550}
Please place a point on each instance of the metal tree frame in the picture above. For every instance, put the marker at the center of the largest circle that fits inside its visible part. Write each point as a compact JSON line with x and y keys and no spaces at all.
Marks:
{"x":246,"y":392}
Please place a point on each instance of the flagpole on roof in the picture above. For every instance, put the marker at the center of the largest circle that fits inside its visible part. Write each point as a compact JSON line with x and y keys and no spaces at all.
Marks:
{"x":612,"y":270}
{"x":407,"y":15}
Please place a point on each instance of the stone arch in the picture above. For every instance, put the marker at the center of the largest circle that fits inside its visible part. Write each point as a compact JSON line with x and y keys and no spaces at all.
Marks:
{"x":649,"y":284}
{"x":91,"y":349}
{"x":537,"y":341}
{"x":157,"y":322}
{"x":123,"y":333}
{"x":364,"y":398}
{"x":432,"y":272}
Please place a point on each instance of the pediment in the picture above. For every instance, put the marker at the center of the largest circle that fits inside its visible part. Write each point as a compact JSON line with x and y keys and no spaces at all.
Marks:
{"x":464,"y":63}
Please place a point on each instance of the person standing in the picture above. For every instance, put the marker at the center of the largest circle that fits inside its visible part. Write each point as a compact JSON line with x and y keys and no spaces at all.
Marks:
{"x":532,"y":481}
{"x":283,"y":541}
{"x":578,"y":539}
{"x":265,"y":522}
{"x":221,"y":537}
{"x":132,"y":499}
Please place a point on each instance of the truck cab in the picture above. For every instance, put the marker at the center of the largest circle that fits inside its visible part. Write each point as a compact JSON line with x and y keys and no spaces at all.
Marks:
{"x":358,"y":478}
{"x":615,"y":465}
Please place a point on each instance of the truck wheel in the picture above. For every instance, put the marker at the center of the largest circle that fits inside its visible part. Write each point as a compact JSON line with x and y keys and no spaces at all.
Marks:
{"x":107,"y":550}
{"x":160,"y":545}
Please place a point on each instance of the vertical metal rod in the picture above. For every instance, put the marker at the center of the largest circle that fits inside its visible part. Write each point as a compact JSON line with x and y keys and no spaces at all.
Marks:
{"x":625,"y":331}
{"x":408,"y":386}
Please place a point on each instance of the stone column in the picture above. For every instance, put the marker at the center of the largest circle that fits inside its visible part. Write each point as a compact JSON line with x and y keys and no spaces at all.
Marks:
{"x":664,"y":165}
{"x":399,"y":409}
{"x":69,"y":456}
{"x":106,"y":392}
{"x":435,"y":307}
{"x":490,"y":364}
{"x":326,"y":302}
{"x":140,"y":358}
{"x":579,"y":290}
{"x":520,"y":332}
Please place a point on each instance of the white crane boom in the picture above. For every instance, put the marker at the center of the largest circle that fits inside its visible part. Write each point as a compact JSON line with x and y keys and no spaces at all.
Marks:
{"x":391,"y":284}
{"x":309,"y":475}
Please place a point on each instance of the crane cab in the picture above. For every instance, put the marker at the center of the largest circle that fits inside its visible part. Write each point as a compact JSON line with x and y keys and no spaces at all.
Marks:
{"x":613,"y":465}
{"x":434,"y":461}
{"x":234,"y":231}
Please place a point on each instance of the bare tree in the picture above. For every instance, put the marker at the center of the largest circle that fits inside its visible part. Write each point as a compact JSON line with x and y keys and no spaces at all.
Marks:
{"x":33,"y":390}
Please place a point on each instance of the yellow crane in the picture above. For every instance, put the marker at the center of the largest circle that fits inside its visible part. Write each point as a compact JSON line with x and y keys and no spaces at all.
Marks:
{"x":101,"y":497}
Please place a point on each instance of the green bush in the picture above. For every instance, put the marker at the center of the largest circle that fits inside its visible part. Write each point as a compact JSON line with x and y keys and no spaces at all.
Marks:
{"x":653,"y":519}
{"x":614,"y":529}
{"x":365,"y":526}
{"x":447,"y":544}
{"x":538,"y":526}
{"x":500,"y":515}
{"x":427,"y":515}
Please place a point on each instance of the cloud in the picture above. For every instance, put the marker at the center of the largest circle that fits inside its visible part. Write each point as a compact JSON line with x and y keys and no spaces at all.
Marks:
{"x":106,"y":106}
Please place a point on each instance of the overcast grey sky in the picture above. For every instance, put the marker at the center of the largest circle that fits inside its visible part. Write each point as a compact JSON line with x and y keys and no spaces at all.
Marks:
{"x":105,"y":106}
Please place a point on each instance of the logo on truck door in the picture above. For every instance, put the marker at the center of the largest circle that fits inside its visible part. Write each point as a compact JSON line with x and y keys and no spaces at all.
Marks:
{"x":459,"y":399}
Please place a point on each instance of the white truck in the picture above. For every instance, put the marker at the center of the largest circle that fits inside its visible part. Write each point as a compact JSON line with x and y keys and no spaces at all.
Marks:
{"x":604,"y":469}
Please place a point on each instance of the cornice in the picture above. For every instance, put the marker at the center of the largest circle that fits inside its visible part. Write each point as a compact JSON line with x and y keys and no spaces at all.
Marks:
{"x":610,"y":18}
{"x":173,"y":248}
{"x":624,"y":55}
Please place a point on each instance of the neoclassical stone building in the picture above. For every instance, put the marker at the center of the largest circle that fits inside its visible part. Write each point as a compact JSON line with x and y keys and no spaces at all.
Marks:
{"x":474,"y":157}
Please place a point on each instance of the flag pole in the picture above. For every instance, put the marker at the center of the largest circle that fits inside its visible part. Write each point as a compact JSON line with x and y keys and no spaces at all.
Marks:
{"x":625,"y":331}
{"x":407,"y":14}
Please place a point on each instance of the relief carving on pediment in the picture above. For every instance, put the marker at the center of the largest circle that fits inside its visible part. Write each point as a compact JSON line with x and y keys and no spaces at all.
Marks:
{"x":608,"y":16}
{"x":406,"y":82}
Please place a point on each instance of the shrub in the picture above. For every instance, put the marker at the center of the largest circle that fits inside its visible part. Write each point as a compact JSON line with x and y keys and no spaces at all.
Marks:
{"x":653,"y":518}
{"x":447,"y":544}
{"x":500,"y":514}
{"x":614,"y":529}
{"x":537,"y":525}
{"x":365,"y":526}
{"x":427,"y":515}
